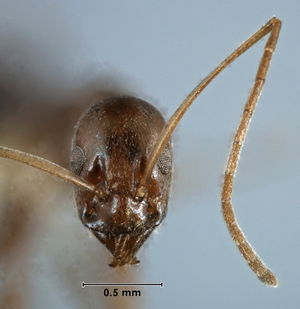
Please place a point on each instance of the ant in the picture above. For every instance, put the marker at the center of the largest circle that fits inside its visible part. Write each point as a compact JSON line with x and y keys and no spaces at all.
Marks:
{"x":121,"y":164}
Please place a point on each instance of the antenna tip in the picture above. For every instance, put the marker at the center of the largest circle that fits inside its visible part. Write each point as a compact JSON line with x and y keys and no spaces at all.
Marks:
{"x":269,"y":278}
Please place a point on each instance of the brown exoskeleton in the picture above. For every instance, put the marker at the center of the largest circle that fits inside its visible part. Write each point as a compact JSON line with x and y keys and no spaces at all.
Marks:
{"x":111,"y":146}
{"x":121,"y":165}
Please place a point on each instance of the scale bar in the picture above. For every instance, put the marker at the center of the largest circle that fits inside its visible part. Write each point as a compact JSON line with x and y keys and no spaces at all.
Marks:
{"x":84,"y":284}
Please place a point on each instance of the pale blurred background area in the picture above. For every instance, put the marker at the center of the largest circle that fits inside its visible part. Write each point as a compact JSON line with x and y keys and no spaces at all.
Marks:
{"x":59,"y":57}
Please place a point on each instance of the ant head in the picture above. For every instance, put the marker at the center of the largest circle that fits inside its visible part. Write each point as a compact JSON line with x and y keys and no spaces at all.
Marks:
{"x":111,"y":149}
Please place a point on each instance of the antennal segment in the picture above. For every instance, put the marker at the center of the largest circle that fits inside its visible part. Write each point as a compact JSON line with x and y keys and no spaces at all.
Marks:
{"x":176,"y":117}
{"x":45,"y":166}
{"x":272,"y":27}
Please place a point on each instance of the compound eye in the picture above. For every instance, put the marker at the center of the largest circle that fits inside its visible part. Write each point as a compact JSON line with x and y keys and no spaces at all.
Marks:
{"x":77,"y":160}
{"x":165,"y":161}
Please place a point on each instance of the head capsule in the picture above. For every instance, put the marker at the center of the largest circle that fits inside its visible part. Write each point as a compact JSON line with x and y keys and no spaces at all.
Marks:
{"x":111,"y":147}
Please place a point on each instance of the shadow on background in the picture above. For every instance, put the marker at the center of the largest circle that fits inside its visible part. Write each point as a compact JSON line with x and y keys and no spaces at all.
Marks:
{"x":38,"y":111}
